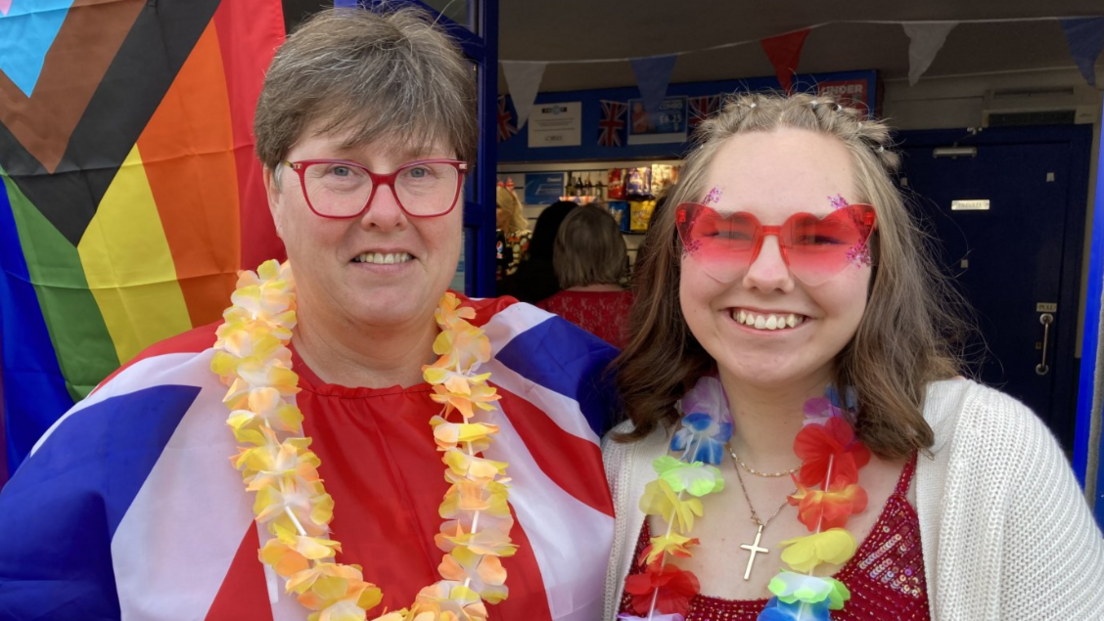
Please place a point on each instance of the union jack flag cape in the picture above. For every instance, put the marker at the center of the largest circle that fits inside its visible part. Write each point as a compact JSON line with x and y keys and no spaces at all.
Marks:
{"x":612,"y":124}
{"x":129,"y":508}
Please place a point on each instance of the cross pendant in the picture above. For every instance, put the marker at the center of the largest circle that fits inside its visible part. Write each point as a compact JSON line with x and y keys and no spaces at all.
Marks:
{"x":753,"y":549}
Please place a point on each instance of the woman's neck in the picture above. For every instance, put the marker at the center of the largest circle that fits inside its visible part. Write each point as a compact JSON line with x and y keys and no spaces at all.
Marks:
{"x":342,"y":352}
{"x":766,"y":420}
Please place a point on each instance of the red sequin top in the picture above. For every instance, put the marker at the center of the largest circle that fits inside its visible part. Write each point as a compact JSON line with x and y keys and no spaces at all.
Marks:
{"x":885,"y":577}
{"x":604,"y":314}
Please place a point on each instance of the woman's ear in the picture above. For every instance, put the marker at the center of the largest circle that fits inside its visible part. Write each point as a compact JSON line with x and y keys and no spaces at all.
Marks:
{"x":275,"y":198}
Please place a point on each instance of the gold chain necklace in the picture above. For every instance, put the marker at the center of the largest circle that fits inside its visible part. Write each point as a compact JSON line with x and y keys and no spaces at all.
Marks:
{"x":757,"y":473}
{"x":754,"y":548}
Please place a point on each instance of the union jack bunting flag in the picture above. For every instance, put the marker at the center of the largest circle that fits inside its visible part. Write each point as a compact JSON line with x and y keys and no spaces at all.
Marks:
{"x":701,"y":108}
{"x":612,"y":124}
{"x":506,"y":127}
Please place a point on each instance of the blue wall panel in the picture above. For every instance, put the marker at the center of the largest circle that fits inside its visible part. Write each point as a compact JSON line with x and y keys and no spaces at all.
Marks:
{"x":516,"y":148}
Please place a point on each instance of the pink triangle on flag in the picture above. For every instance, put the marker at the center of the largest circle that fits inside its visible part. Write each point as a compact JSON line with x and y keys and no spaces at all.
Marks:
{"x":5,"y":6}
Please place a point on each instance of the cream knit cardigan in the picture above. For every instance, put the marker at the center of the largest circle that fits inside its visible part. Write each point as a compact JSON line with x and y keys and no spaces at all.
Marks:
{"x":1005,"y":530}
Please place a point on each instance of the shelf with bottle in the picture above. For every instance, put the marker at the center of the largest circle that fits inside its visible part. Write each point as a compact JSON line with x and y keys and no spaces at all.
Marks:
{"x":629,"y":188}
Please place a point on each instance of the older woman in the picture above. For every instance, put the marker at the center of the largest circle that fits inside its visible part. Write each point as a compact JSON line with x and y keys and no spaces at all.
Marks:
{"x":381,"y":467}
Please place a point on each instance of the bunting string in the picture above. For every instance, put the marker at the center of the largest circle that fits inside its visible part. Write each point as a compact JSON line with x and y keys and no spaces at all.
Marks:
{"x":756,"y":40}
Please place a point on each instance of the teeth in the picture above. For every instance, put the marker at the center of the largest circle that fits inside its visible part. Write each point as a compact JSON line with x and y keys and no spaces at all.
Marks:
{"x":768,"y":322}
{"x":383,"y":259}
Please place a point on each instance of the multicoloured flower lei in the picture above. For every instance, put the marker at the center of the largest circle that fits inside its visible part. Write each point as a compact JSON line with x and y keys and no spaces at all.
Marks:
{"x":828,"y":494}
{"x":253,"y":359}
{"x":662,"y":591}
{"x":831,"y":457}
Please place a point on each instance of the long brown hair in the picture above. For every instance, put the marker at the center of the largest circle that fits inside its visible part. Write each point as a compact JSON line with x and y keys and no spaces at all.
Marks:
{"x":910,"y":333}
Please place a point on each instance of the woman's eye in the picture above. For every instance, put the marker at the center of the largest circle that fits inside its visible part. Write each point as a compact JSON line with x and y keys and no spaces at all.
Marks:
{"x":819,"y":240}
{"x":341,"y":171}
{"x":418,"y":173}
{"x":734,"y":234}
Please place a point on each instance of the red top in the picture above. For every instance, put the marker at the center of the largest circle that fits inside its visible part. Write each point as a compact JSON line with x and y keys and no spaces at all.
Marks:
{"x":885,"y":576}
{"x":388,"y":486}
{"x":604,"y":314}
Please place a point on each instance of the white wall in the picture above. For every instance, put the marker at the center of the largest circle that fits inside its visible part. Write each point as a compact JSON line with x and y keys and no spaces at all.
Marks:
{"x":959,"y":101}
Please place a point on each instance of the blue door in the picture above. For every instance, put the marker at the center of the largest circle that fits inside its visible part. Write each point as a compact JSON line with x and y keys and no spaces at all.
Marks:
{"x":1007,"y":211}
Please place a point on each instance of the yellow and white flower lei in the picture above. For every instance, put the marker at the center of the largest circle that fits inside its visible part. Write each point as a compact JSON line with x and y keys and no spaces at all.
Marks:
{"x":253,"y":359}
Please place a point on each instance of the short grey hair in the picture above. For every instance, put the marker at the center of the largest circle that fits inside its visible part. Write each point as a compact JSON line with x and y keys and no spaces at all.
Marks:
{"x":589,"y":248}
{"x":393,"y":76}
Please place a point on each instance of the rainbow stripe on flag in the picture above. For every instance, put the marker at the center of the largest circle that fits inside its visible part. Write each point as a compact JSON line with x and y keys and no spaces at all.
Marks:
{"x":131,"y":195}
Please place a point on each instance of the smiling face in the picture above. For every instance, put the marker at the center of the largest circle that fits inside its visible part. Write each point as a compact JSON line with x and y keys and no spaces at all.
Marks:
{"x":768,"y":329}
{"x":381,"y":269}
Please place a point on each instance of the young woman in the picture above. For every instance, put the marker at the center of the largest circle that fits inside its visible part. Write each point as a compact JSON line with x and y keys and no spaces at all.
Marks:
{"x":800,"y":444}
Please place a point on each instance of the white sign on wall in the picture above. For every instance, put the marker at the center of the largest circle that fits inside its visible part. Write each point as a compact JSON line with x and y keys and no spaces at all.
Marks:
{"x":556,"y":125}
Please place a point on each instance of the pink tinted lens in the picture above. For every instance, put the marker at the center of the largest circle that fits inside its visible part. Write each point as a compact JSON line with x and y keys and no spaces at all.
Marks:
{"x":818,"y":249}
{"x":724,"y":245}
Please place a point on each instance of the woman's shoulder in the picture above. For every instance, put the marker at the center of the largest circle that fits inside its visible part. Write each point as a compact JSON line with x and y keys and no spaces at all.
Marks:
{"x":984,"y":419}
{"x":611,"y":444}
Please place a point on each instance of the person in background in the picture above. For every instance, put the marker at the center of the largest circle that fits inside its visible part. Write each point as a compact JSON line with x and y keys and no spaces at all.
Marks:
{"x":800,"y":442}
{"x":535,"y":278}
{"x":590,"y":261}
{"x":513,"y":232}
{"x":337,"y":447}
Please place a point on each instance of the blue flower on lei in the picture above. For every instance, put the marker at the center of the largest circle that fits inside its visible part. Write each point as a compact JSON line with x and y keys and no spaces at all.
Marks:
{"x":776,"y":610}
{"x":851,"y":396}
{"x":706,"y":423}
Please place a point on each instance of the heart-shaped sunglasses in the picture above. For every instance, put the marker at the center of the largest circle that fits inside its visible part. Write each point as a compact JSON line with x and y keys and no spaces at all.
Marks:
{"x":815,"y":249}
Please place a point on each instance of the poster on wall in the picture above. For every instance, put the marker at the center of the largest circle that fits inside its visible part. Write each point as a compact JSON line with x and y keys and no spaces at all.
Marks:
{"x":556,"y":125}
{"x":666,"y":125}
{"x":850,"y":93}
{"x":543,"y":188}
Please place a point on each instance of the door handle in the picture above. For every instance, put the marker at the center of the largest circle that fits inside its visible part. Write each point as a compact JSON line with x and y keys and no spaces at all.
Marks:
{"x":1046,"y":319}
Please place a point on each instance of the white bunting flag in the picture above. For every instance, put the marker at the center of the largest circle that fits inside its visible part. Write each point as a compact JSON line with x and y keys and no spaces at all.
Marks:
{"x":925,"y":41}
{"x":523,"y":78}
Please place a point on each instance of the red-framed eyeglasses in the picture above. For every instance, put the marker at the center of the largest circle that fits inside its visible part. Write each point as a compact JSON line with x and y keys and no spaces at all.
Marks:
{"x":343,"y":189}
{"x":815,"y":249}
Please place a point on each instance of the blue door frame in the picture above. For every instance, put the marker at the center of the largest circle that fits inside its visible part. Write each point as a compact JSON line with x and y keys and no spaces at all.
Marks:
{"x":479,"y":213}
{"x":1089,"y":352}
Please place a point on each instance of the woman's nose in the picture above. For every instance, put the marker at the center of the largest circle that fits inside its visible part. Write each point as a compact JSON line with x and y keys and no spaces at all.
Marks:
{"x":768,"y":270}
{"x":384,"y":211}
